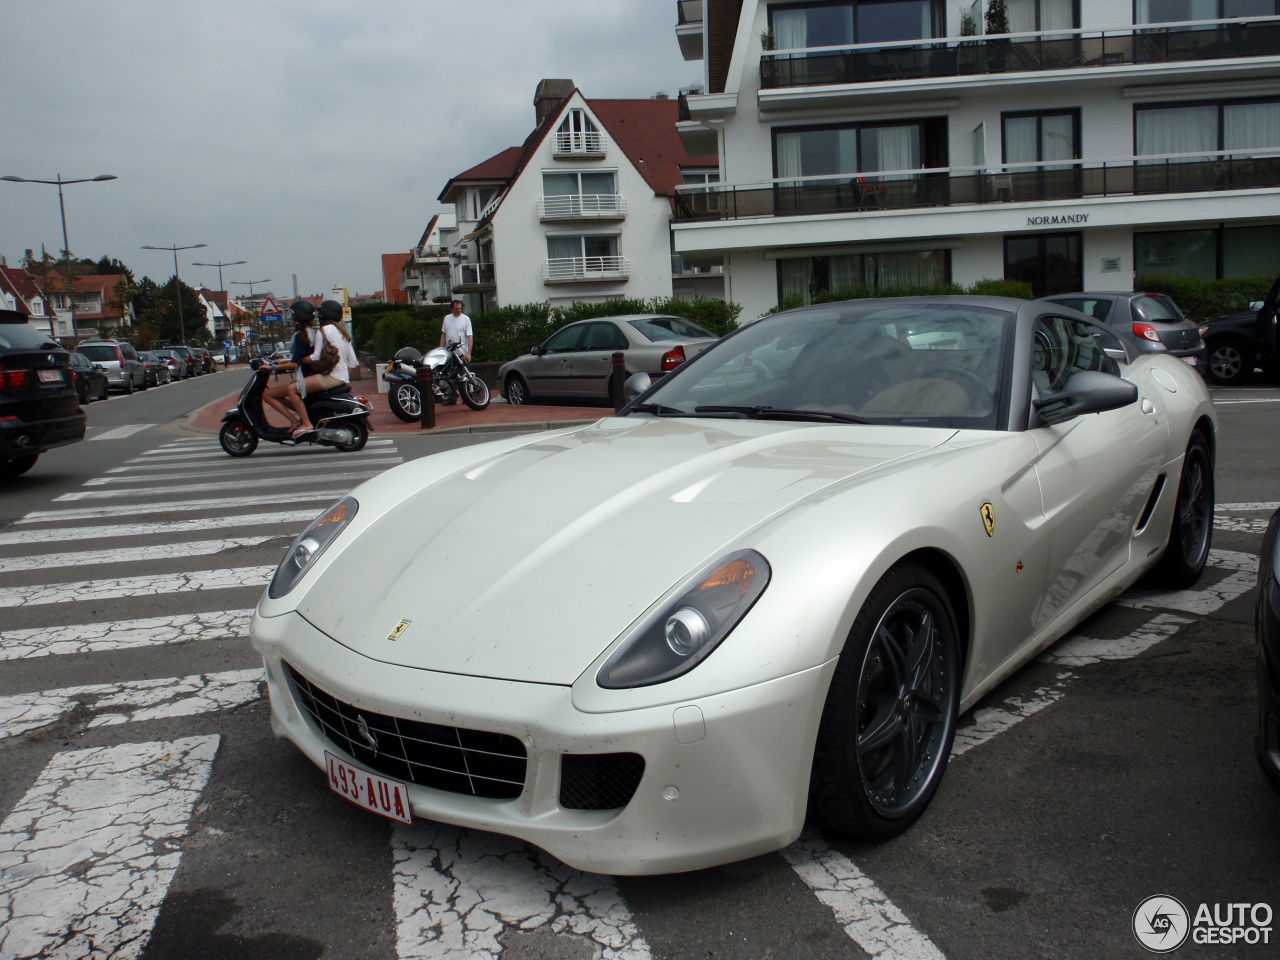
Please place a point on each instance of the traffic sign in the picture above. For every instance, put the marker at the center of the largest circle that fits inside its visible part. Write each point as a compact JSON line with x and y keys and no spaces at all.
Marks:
{"x":269,"y":308}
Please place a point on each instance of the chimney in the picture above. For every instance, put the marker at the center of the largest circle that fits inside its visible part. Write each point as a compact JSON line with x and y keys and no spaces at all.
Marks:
{"x":549,"y":95}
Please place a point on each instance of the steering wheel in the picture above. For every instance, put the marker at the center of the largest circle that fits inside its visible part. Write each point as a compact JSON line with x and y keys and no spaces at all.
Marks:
{"x":977,"y":388}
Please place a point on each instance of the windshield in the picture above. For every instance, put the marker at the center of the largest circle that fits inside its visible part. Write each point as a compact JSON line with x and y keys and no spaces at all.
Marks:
{"x":100,"y":353}
{"x":20,"y":336}
{"x":656,"y":329}
{"x":1157,"y":307}
{"x":879,"y":361}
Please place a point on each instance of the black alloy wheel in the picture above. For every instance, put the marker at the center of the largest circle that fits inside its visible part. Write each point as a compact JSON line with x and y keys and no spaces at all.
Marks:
{"x":1230,"y":361}
{"x":1191,"y":530}
{"x":890,"y":715}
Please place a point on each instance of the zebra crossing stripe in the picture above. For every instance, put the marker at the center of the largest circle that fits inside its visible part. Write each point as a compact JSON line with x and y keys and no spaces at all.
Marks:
{"x":110,"y":704}
{"x":460,"y":893}
{"x":119,"y":433}
{"x":123,"y":634}
{"x":164,"y":471}
{"x":224,"y":579}
{"x":160,"y":528}
{"x":1242,"y":576}
{"x":205,"y":487}
{"x":216,"y":452}
{"x":140,"y":508}
{"x":87,"y":856}
{"x":152,"y":551}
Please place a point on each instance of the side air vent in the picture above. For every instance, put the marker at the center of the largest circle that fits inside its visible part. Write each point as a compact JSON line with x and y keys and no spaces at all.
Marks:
{"x":1151,"y":505}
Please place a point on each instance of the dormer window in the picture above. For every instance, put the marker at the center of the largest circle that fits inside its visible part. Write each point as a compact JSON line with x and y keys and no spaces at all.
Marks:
{"x":578,"y":135}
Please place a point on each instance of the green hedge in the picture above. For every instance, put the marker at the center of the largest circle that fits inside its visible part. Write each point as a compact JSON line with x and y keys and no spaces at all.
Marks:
{"x":1206,"y":299}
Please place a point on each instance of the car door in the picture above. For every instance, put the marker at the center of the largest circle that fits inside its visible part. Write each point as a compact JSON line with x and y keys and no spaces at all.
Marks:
{"x":551,"y":371}
{"x":593,"y":362}
{"x":1096,"y":471}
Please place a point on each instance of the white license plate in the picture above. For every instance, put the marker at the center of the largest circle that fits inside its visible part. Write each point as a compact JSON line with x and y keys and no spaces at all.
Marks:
{"x":49,"y":376}
{"x":381,"y":795}
{"x":1191,"y":361}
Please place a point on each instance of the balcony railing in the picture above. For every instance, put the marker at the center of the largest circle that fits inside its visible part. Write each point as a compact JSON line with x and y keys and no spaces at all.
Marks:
{"x":940,"y":187}
{"x":583,"y":206}
{"x":679,"y":265}
{"x":580,"y":143}
{"x":473,"y":275}
{"x":567,"y":269}
{"x":1022,"y":52}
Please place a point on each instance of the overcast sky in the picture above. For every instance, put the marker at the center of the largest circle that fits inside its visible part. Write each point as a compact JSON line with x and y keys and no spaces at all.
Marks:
{"x":307,"y":137}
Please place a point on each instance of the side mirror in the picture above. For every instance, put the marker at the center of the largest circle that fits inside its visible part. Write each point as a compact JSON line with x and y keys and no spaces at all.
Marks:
{"x":1090,"y":391}
{"x":255,"y":363}
{"x":537,"y":351}
{"x":636,"y":384}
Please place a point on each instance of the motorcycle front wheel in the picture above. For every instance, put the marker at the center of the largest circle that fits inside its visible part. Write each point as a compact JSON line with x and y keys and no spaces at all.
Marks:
{"x":475,"y":392}
{"x":237,"y":438}
{"x":405,"y":401}
{"x":359,"y":436}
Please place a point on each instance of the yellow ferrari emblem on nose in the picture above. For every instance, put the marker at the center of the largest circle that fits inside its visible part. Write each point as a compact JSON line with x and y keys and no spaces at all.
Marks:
{"x":988,"y":517}
{"x":399,"y":629}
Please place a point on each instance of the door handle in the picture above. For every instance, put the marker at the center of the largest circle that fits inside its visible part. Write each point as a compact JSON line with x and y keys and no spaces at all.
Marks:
{"x":1148,"y":406}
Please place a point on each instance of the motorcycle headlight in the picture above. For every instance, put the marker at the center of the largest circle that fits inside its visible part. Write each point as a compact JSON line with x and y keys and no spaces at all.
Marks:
{"x":686,"y":630}
{"x":310,"y":544}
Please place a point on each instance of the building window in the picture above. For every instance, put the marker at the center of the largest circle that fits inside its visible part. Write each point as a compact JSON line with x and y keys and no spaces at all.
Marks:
{"x":859,"y":148}
{"x":704,"y":177}
{"x":1207,"y":128}
{"x":796,"y":26}
{"x":593,"y":183}
{"x":1041,"y":16}
{"x":578,"y":133}
{"x":1047,"y":138}
{"x":1209,"y":254}
{"x":1051,"y":263}
{"x":1178,"y":11}
{"x":478,"y":199}
{"x":803,"y":279}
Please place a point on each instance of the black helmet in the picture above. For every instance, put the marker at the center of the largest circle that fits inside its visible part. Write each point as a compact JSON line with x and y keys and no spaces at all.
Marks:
{"x":330,"y":311}
{"x":304,"y":311}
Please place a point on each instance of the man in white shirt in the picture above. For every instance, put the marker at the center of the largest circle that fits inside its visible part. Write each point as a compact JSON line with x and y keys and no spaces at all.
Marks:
{"x":457,"y":329}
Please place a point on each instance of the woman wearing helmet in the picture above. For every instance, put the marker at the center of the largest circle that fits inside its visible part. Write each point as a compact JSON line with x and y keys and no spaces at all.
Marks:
{"x":303,"y":313}
{"x":335,"y":332}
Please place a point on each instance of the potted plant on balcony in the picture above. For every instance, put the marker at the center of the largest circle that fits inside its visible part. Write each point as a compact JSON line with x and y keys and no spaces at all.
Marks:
{"x":996,"y":21}
{"x":949,"y":60}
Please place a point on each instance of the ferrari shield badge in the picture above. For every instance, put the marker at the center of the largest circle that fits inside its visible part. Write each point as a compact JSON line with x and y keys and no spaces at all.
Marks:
{"x":988,"y":519}
{"x":398,"y":629}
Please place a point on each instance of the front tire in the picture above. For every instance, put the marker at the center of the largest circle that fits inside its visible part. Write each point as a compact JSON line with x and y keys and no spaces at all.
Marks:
{"x":237,"y":438}
{"x":359,"y":434}
{"x":1230,"y":362}
{"x":890,"y":715}
{"x":1191,"y":530}
{"x":405,"y":401}
{"x":517,"y":390}
{"x":475,"y":392}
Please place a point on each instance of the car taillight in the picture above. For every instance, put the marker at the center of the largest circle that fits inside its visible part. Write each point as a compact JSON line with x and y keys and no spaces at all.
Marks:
{"x":672,"y":358}
{"x":1146,"y":331}
{"x":12,"y":379}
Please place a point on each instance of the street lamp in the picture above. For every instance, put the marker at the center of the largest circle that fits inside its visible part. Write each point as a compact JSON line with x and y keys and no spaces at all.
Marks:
{"x":177,"y":281}
{"x":249,"y":284}
{"x":221,"y":288}
{"x":66,"y":247}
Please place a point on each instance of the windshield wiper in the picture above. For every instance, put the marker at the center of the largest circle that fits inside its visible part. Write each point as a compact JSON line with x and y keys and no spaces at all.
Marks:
{"x":774,"y":413}
{"x":659,"y":410}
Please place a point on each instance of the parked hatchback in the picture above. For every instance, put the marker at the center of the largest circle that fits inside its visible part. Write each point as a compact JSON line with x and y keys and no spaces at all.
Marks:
{"x":184,"y":353}
{"x":120,"y":361}
{"x":157,"y":367}
{"x":1152,"y":319}
{"x":177,"y":364}
{"x":39,"y":409}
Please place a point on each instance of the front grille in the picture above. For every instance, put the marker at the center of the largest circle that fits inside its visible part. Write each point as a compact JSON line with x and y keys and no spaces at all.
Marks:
{"x":599,"y":781}
{"x":473,"y":762}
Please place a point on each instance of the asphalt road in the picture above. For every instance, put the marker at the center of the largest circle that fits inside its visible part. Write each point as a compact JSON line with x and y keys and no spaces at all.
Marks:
{"x":1116,"y":768}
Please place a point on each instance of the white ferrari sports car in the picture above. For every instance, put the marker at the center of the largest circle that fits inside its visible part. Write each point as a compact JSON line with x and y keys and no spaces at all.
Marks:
{"x":764,"y":591}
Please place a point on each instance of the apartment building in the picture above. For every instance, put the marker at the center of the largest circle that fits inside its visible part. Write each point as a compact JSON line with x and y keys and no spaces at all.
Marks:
{"x":581,"y":211}
{"x":1073,"y":144}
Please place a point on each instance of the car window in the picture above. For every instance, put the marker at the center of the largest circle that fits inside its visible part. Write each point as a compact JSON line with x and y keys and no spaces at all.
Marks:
{"x":604,"y":336}
{"x":20,"y":336}
{"x":657,"y":329}
{"x":99,"y":352}
{"x":1062,"y":347}
{"x":1156,"y":307}
{"x":564,"y":339}
{"x":1090,"y":306}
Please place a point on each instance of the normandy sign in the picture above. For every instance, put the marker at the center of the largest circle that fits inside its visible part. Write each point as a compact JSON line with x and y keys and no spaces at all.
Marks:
{"x":1055,"y":220}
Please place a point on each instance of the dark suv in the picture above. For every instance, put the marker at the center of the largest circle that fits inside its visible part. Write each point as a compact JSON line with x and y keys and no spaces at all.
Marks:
{"x":38,"y":404}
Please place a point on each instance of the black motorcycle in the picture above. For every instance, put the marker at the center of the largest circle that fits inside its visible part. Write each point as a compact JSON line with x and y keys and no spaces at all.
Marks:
{"x":451,"y":378}
{"x":341,"y":420}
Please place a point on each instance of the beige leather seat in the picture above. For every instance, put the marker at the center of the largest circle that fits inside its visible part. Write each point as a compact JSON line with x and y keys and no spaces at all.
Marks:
{"x":922,"y":397}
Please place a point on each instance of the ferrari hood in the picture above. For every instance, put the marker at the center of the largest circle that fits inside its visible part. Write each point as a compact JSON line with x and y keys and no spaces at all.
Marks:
{"x":525,"y":566}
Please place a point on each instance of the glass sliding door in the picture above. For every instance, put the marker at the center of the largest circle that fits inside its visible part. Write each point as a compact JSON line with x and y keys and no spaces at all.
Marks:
{"x":1050,"y":262}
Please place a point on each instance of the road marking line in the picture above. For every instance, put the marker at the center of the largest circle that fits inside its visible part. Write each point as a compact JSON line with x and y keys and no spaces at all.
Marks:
{"x":1247,"y":507}
{"x":154,"y":551}
{"x":217,"y":453}
{"x":226,"y":463}
{"x":868,"y":916}
{"x":160,"y":528}
{"x":87,"y":856}
{"x":119,"y":433}
{"x":1079,"y":651}
{"x":1242,"y":578}
{"x":111,"y":704}
{"x":38,"y":594}
{"x":458,"y":892}
{"x":140,"y":508}
{"x":223,"y":469}
{"x":124,"y":634}
{"x":200,"y":487}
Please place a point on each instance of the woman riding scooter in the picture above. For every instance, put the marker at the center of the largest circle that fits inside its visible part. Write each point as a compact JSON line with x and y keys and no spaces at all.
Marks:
{"x":303,"y":313}
{"x":333,"y":331}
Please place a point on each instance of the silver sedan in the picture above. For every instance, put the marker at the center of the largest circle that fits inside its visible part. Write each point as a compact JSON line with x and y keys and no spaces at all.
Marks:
{"x":575,"y":362}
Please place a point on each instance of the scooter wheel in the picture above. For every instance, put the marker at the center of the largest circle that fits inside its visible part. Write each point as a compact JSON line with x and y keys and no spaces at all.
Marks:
{"x":237,"y":438}
{"x":359,"y":437}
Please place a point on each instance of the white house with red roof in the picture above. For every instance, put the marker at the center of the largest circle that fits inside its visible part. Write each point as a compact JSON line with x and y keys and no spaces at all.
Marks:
{"x":581,"y":211}
{"x":20,"y":293}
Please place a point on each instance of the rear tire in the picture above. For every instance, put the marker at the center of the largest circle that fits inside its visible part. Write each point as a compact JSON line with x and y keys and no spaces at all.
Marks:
{"x":1191,"y":530}
{"x":405,"y":401}
{"x":890,"y":715}
{"x":237,"y":438}
{"x":475,"y":392}
{"x":128,"y":386}
{"x":14,"y":467}
{"x":360,"y":436}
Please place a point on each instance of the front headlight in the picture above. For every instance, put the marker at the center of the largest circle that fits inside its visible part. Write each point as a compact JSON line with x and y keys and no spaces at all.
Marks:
{"x":310,"y":544}
{"x":690,"y":627}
